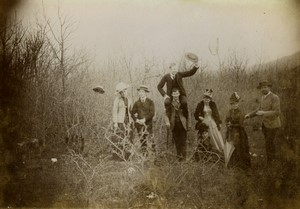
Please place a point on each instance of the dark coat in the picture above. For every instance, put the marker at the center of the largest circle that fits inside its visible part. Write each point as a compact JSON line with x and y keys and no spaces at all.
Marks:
{"x":215,"y":113}
{"x":237,"y":134}
{"x":144,"y":110}
{"x":172,"y":116}
{"x":167,"y":79}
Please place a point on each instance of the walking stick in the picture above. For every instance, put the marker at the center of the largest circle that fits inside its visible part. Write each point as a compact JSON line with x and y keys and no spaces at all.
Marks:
{"x":168,"y":129}
{"x":168,"y":136}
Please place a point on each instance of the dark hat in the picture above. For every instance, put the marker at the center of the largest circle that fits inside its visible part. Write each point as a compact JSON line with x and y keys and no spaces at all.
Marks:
{"x":143,"y":87}
{"x":234,"y":97}
{"x":264,"y":83}
{"x":202,"y":127}
{"x":176,"y":90}
{"x":208,"y":93}
{"x":99,"y":89}
{"x":191,"y":56}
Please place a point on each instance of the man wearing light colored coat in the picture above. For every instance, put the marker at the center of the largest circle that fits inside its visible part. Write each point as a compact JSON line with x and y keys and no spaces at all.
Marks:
{"x":269,"y":110}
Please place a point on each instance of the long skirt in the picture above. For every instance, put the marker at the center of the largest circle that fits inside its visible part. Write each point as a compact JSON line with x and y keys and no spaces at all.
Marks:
{"x":216,"y":138}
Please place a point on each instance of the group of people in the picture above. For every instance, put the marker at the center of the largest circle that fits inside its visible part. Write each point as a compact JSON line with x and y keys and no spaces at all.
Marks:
{"x":235,"y":147}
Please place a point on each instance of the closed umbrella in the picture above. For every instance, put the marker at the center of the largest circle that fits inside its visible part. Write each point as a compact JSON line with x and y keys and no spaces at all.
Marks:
{"x":228,"y":150}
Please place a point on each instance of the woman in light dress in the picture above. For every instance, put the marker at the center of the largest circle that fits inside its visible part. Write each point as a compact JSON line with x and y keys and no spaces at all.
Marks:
{"x":207,"y":112}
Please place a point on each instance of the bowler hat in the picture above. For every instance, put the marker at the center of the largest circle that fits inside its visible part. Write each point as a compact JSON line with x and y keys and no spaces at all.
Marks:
{"x":143,"y":87}
{"x":99,"y":89}
{"x":264,"y":83}
{"x":191,"y":56}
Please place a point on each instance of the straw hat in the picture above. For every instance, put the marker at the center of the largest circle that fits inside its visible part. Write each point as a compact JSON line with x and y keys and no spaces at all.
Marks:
{"x":121,"y":87}
{"x":143,"y":87}
{"x":191,"y":57}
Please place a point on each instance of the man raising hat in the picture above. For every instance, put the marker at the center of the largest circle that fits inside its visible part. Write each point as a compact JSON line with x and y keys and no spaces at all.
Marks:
{"x":174,"y":79}
{"x":269,"y":110}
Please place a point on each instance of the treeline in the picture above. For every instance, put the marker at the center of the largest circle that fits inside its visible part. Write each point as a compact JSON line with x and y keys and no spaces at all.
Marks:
{"x":46,"y":90}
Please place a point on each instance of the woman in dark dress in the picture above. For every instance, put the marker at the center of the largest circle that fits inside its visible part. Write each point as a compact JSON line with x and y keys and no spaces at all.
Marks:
{"x":236,"y":135}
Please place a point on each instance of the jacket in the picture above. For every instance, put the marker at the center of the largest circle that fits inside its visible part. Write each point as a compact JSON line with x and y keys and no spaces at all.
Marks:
{"x":143,"y":110}
{"x":118,"y":111}
{"x":271,"y":105}
{"x":215,"y":113}
{"x":171,"y":118}
{"x":166,"y":79}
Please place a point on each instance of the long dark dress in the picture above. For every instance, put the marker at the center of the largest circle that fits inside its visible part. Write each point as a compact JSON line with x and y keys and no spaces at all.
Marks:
{"x":237,"y":134}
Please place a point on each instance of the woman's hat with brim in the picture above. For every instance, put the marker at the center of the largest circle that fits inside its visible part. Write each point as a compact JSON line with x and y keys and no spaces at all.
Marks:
{"x":264,"y":83}
{"x":121,"y":87}
{"x":99,"y":89}
{"x":234,"y":97}
{"x":143,"y":87}
{"x":208,"y":93}
{"x":191,"y":57}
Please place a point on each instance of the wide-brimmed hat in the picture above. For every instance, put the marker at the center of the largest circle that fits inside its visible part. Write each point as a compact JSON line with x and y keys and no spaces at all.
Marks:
{"x":99,"y":89}
{"x":143,"y":87}
{"x":121,"y":87}
{"x":264,"y":83}
{"x":234,"y":97}
{"x":191,"y":57}
{"x":208,"y":93}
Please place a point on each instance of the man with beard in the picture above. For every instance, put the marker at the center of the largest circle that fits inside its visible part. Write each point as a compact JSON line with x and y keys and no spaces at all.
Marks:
{"x":269,"y":110}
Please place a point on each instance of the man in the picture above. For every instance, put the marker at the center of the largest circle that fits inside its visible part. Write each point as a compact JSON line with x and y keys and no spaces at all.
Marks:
{"x":269,"y":110}
{"x":142,"y":112}
{"x":176,"y":121}
{"x":174,"y":80}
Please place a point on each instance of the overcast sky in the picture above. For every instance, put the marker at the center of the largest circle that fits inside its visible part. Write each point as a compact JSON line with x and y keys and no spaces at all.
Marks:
{"x":258,"y":29}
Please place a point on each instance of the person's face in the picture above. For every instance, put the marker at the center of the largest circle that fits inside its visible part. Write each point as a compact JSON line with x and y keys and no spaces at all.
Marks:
{"x":123,"y":93}
{"x":265,"y":90}
{"x":204,"y":134}
{"x":173,"y":69}
{"x":234,"y":105}
{"x":141,"y":93}
{"x":206,"y":100}
{"x":175,"y":94}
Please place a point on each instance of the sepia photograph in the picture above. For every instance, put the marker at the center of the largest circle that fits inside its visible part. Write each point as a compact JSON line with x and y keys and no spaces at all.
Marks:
{"x":150,"y":104}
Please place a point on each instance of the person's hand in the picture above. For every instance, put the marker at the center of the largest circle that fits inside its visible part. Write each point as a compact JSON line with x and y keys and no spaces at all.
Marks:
{"x":194,"y":65}
{"x":168,"y":124}
{"x":201,"y":118}
{"x":260,"y":112}
{"x":247,"y":116}
{"x":115,"y":125}
{"x":143,"y":120}
{"x":166,"y":96}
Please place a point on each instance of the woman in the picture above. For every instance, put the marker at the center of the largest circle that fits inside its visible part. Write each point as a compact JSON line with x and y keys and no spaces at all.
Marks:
{"x":121,"y":109}
{"x":207,"y":113}
{"x":236,"y":135}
